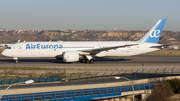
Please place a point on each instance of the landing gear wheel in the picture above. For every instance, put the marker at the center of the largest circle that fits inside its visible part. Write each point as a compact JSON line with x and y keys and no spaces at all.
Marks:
{"x":16,"y":61}
{"x":87,"y":61}
{"x":83,"y":60}
{"x":91,"y":61}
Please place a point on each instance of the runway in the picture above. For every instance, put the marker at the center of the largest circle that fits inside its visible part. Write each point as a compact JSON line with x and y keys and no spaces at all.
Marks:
{"x":145,"y":61}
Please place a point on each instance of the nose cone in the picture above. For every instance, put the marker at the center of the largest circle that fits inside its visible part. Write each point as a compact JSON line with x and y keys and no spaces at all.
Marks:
{"x":5,"y":53}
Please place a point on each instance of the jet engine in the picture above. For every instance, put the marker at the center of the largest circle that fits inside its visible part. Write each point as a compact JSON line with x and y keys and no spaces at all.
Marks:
{"x":59,"y":57}
{"x":70,"y":56}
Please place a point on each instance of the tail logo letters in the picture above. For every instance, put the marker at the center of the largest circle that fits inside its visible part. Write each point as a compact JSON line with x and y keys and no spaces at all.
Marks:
{"x":154,"y":33}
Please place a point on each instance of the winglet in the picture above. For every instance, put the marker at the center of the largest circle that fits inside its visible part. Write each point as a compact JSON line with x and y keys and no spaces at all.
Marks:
{"x":154,"y":33}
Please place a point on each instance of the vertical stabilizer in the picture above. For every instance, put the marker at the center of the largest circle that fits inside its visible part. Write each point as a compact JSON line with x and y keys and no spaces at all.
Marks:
{"x":154,"y":33}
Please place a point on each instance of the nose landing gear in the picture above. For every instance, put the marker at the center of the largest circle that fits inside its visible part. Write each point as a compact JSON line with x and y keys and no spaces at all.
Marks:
{"x":16,"y":59}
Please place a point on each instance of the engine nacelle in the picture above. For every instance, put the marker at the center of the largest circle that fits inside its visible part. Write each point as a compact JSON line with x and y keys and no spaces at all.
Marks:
{"x":70,"y":56}
{"x":59,"y":57}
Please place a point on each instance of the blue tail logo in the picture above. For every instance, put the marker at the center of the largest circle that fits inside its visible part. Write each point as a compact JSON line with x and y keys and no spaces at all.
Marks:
{"x":154,"y":33}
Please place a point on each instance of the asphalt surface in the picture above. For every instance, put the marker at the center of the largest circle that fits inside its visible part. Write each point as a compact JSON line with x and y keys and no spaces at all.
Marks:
{"x":147,"y":59}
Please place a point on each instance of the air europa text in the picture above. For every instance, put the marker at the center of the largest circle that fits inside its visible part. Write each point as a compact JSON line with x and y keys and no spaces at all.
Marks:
{"x":41,"y":46}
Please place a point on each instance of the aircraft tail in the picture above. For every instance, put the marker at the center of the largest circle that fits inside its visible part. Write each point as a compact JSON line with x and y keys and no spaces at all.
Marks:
{"x":154,"y":33}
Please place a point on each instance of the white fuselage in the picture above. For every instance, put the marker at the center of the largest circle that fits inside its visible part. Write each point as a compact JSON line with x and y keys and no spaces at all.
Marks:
{"x":53,"y":49}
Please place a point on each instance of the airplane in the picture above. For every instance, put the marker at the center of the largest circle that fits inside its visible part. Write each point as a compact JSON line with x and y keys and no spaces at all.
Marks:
{"x":73,"y":51}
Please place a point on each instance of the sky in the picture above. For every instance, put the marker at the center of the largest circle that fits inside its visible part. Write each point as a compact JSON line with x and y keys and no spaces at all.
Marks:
{"x":88,"y":14}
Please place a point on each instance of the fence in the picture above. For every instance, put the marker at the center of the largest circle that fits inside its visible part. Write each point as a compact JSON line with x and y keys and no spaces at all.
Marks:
{"x":9,"y":75}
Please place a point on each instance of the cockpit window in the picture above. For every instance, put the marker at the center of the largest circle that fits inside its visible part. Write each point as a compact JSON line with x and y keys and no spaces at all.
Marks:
{"x":8,"y":48}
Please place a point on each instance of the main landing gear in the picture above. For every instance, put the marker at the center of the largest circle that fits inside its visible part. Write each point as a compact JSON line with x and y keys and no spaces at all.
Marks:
{"x":87,"y":61}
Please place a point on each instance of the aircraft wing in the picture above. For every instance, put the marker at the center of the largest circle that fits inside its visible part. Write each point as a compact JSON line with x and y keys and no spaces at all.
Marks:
{"x":97,"y":50}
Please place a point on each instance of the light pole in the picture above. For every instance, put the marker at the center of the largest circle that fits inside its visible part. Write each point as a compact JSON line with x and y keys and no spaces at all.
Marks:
{"x":117,"y":77}
{"x":26,"y":82}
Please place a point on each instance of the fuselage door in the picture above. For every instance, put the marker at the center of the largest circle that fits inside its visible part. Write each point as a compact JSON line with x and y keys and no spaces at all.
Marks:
{"x":19,"y":48}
